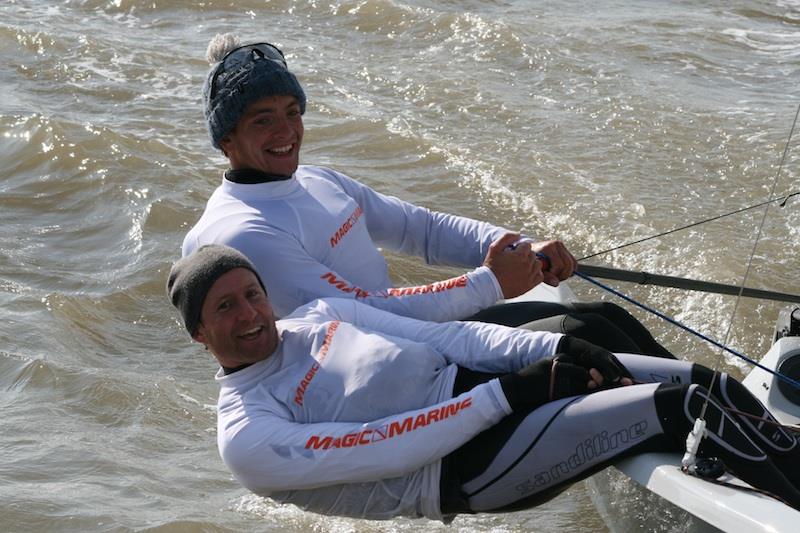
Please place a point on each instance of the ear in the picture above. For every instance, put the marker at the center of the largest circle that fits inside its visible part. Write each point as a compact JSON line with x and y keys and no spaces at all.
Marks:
{"x":199,"y":335}
{"x":225,"y":145}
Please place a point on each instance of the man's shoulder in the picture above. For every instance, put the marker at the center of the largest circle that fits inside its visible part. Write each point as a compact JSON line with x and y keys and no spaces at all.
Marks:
{"x":313,"y":312}
{"x":321,"y":310}
{"x":328,"y":179}
{"x":316,"y":172}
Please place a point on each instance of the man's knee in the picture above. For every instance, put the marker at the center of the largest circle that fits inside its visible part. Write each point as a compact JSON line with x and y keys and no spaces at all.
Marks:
{"x":598,"y":330}
{"x":610,"y":310}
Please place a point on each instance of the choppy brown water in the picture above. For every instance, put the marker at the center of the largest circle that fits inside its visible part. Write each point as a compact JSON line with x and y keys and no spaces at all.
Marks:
{"x":595,"y":123}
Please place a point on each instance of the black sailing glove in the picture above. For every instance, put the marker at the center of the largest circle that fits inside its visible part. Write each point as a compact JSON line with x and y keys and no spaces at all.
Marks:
{"x":544,"y":381}
{"x":578,"y":352}
{"x":566,"y":374}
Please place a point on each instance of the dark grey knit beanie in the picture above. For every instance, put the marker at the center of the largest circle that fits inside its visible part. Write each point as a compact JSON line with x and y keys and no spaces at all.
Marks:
{"x":192,"y":276}
{"x":236,"y":89}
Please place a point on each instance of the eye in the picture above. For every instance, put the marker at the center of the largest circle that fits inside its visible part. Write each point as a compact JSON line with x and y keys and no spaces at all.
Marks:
{"x":223,"y":306}
{"x":254,"y":294}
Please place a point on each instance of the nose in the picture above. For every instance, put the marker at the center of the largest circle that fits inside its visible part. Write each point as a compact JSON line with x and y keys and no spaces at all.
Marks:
{"x":247,"y":311}
{"x":283,"y":127}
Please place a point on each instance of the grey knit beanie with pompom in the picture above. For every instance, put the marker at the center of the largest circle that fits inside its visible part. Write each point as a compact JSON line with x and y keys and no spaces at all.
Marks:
{"x":235,"y":90}
{"x":192,"y":277}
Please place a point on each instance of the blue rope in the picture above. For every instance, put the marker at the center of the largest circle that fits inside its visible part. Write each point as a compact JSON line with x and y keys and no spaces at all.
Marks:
{"x":674,"y":322}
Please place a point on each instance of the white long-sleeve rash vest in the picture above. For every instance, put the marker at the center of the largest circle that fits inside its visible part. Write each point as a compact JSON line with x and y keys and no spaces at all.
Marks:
{"x":315,"y":235}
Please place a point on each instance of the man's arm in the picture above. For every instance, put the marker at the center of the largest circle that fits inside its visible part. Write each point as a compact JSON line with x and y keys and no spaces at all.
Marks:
{"x":441,"y":238}
{"x":267,"y":453}
{"x":293,"y":278}
{"x":475,"y":345}
{"x":438,"y":238}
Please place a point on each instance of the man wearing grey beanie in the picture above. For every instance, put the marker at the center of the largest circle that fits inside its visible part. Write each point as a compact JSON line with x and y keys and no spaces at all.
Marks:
{"x":189,"y":284}
{"x":344,"y":409}
{"x":191,"y":278}
{"x":322,"y":229}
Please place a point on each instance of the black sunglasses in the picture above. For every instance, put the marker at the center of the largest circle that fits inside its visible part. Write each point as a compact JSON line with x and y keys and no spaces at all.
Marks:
{"x":242,"y":55}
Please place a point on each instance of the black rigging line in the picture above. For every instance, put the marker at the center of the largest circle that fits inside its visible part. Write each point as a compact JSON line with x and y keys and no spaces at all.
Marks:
{"x":767,"y":202}
{"x":783,"y":200}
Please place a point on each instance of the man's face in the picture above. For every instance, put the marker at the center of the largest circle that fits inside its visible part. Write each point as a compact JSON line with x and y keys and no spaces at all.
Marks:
{"x":236,"y":320}
{"x":267,"y":137}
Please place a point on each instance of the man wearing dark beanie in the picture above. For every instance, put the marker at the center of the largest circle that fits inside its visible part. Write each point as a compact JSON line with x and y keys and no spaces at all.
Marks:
{"x":323,"y":229}
{"x":205,"y":278}
{"x":191,"y":278}
{"x":344,"y":409}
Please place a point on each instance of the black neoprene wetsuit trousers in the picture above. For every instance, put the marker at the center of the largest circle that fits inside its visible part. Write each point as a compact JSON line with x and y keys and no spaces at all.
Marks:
{"x":530,"y":457}
{"x":602,"y":323}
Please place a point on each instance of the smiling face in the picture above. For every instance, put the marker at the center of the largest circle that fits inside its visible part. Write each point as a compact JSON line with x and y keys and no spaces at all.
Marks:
{"x":267,"y":137}
{"x":236,"y":321}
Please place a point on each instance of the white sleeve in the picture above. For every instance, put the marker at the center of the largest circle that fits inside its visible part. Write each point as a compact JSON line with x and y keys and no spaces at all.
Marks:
{"x":474,"y":345}
{"x":294,"y":278}
{"x":438,"y":238}
{"x":267,"y":453}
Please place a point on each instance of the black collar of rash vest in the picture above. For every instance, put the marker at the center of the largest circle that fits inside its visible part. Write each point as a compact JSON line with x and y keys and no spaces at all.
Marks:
{"x":249,"y":176}
{"x":228,"y":370}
